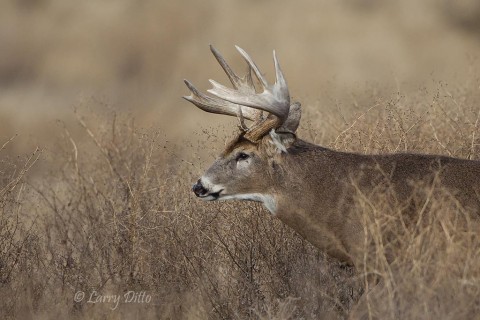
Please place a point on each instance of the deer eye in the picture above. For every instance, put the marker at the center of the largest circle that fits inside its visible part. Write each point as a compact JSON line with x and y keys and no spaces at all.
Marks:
{"x":242,"y":156}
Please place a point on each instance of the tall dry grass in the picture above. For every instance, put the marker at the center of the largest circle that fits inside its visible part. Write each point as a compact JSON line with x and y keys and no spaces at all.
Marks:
{"x":56,"y":53}
{"x":116,"y":214}
{"x":427,"y":265}
{"x":106,"y":206}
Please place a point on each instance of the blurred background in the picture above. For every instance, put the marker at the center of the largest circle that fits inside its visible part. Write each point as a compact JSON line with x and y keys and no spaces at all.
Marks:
{"x":97,"y":86}
{"x":132,"y":56}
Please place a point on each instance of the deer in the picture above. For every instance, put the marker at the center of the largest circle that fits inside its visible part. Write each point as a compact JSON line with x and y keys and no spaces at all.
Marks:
{"x":307,"y":186}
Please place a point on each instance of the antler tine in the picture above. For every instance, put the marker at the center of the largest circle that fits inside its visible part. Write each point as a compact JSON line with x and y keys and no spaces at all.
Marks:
{"x":234,"y":79}
{"x":252,"y":65}
{"x":279,"y":78}
{"x":218,"y":106}
{"x":274,"y":99}
{"x":243,"y":84}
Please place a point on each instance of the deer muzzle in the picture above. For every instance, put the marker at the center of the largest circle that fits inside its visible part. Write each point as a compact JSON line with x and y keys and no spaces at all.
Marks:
{"x":199,"y":189}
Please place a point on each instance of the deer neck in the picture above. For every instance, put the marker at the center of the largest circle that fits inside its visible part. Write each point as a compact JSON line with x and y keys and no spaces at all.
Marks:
{"x":326,"y":221}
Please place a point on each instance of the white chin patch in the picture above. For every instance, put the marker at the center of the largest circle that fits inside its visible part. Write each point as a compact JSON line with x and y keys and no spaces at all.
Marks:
{"x":208,"y":198}
{"x":267,"y":200}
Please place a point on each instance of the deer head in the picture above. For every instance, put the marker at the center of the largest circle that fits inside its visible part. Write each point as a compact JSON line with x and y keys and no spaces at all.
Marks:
{"x":244,"y":169}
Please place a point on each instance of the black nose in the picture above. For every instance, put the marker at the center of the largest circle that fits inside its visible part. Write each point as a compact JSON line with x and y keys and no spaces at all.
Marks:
{"x":199,"y":189}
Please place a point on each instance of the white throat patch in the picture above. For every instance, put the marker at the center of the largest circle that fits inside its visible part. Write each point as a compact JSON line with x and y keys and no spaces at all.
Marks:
{"x":267,"y":200}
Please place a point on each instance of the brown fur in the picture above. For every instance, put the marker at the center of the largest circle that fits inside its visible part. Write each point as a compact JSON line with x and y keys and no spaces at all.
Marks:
{"x":314,"y":187}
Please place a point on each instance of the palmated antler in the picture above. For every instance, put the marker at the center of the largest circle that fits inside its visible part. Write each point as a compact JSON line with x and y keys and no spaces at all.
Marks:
{"x":244,"y":102}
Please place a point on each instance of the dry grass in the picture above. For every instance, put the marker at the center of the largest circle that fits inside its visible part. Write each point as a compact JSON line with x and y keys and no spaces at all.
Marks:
{"x":135,"y":55}
{"x":122,"y":218}
{"x":117,"y":214}
{"x":434,"y":273}
{"x":106,"y":206}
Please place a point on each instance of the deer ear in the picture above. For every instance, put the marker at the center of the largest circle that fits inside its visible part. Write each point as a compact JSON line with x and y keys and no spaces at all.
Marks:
{"x":279,"y":142}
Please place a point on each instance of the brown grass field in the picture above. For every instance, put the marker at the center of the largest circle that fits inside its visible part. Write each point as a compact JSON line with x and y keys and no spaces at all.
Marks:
{"x":98,"y":154}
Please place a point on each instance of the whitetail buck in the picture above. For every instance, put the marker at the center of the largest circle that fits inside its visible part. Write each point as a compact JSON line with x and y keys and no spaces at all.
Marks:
{"x":306,"y":186}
